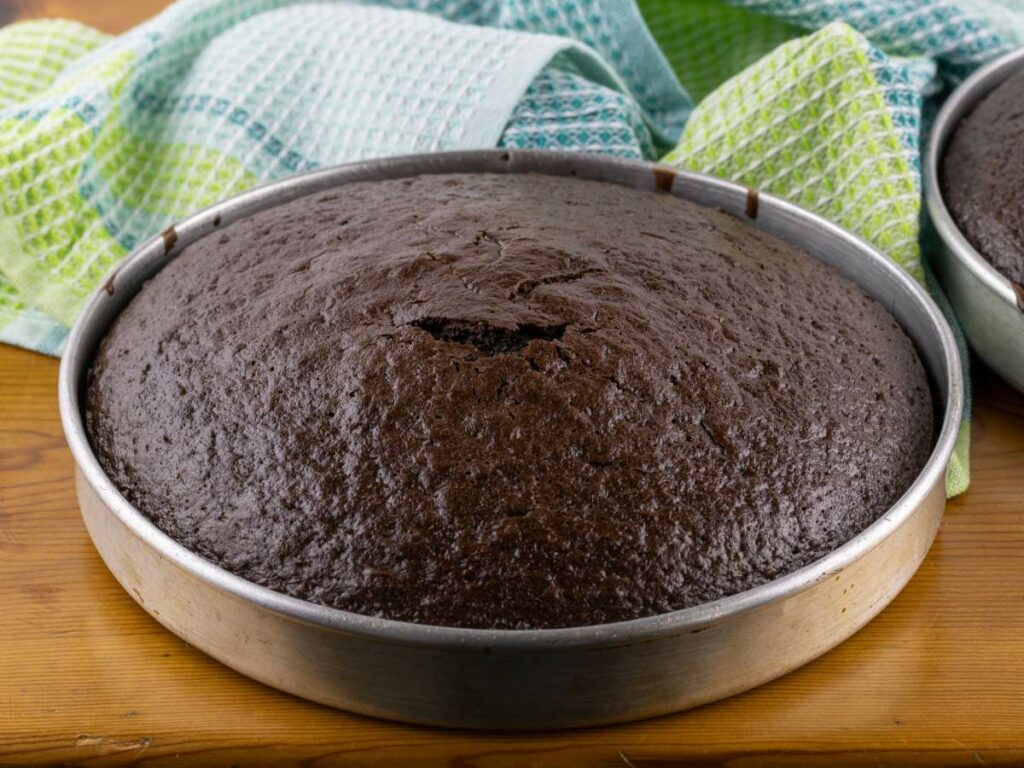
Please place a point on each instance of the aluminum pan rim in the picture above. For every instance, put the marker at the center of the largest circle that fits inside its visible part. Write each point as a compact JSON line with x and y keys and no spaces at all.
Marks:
{"x":597,"y":635}
{"x":956,"y":108}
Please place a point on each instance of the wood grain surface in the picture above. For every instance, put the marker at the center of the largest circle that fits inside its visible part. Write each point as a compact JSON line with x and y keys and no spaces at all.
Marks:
{"x":86,"y":677}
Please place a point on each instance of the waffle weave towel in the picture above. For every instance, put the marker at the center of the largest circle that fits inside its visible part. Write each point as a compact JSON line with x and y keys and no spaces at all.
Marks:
{"x":103,"y":140}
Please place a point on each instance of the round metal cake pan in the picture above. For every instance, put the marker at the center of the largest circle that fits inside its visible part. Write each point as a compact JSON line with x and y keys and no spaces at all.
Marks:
{"x":552,"y":678}
{"x":989,"y":305}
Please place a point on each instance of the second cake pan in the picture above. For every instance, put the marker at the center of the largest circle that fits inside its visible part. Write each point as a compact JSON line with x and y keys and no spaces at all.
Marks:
{"x":989,"y":306}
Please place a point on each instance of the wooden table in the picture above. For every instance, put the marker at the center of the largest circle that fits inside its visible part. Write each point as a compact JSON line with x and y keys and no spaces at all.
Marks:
{"x":86,"y":676}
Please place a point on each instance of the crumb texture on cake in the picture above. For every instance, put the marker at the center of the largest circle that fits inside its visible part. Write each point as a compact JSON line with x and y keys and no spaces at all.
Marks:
{"x":506,"y":401}
{"x":983,"y":177}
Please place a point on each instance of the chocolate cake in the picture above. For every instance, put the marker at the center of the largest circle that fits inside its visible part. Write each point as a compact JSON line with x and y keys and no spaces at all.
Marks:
{"x":983,"y":177}
{"x":508,"y":401}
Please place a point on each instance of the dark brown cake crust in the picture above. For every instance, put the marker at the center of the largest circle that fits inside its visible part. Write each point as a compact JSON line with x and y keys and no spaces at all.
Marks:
{"x":506,"y":401}
{"x":983,"y":177}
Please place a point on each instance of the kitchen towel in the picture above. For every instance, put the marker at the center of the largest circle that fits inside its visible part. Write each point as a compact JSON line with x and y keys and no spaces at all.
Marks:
{"x":103,"y":141}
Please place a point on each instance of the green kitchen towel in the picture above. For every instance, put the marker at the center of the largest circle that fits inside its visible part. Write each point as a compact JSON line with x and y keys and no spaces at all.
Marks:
{"x":103,"y":140}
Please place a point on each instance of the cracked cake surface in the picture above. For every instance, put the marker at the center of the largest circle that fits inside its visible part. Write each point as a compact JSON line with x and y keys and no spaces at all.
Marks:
{"x":506,"y":401}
